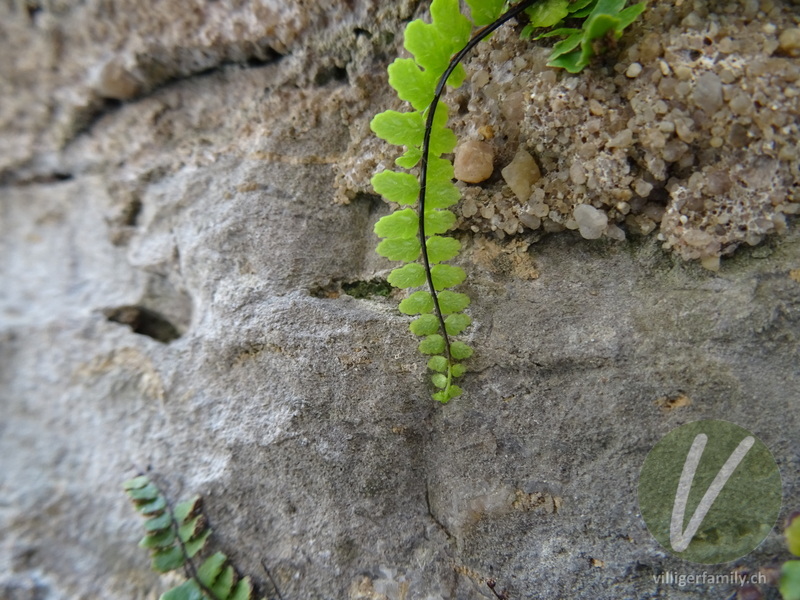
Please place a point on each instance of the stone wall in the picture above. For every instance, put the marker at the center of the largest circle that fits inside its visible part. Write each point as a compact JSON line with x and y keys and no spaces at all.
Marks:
{"x":187,"y":251}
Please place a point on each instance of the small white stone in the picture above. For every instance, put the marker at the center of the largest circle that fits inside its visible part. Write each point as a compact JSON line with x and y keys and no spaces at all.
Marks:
{"x":540,"y":209}
{"x":577,"y":174}
{"x":592,"y":223}
{"x":633,"y":70}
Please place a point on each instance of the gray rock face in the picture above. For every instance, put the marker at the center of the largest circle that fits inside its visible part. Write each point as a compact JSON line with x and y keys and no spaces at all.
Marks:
{"x":174,"y":296}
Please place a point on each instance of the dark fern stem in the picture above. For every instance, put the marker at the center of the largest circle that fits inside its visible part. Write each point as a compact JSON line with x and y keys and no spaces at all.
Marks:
{"x":426,"y":142}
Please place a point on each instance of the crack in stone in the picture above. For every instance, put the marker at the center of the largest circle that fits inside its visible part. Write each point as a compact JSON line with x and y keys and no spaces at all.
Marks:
{"x":435,"y":519}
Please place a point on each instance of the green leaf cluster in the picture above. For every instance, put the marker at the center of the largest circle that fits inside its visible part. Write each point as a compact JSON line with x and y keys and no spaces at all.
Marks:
{"x":789,"y":582}
{"x":175,"y":537}
{"x":432,"y":46}
{"x":603,"y":20}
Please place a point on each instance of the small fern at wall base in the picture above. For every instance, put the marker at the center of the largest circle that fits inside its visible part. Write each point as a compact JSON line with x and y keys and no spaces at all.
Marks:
{"x":176,"y":537}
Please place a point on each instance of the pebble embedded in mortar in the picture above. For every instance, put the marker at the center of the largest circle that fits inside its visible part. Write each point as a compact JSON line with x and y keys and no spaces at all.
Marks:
{"x":592,"y":223}
{"x":521,"y":173}
{"x":474,"y":161}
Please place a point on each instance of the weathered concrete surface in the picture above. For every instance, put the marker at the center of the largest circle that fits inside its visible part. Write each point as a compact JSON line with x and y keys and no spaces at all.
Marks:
{"x":300,"y":413}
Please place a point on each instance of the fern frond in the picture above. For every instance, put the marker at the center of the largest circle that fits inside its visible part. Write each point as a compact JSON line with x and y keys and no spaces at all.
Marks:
{"x":437,"y":49}
{"x":175,"y":536}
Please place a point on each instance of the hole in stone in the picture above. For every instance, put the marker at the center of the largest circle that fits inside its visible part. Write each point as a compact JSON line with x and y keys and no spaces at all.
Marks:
{"x":328,"y":291}
{"x":33,"y":8}
{"x":131,"y":211}
{"x":367,"y":289}
{"x":357,"y":289}
{"x":144,"y":322}
{"x":329,"y":74}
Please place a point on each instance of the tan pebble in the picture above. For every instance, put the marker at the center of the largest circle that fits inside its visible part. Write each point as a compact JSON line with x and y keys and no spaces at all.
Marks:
{"x":707,"y":93}
{"x":615,"y":233}
{"x":622,"y":140}
{"x":596,"y":562}
{"x":511,"y":226}
{"x":666,"y":127}
{"x":552,"y":226}
{"x":674,"y":150}
{"x":530,"y":221}
{"x":469,"y":207}
{"x":480,"y":78}
{"x":727,"y":76}
{"x":539,"y":209}
{"x":650,"y":48}
{"x":697,"y":238}
{"x":521,"y":174}
{"x":597,"y":109}
{"x":710,"y":262}
{"x":642,"y":188}
{"x":727,"y":46}
{"x":685,"y":129}
{"x":693,"y":21}
{"x":741,"y":104}
{"x":656,"y":139}
{"x":474,"y":161}
{"x":789,"y":41}
{"x":548,"y":77}
{"x":116,"y":82}
{"x":788,"y":153}
{"x":668,"y":404}
{"x":683,"y":73}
